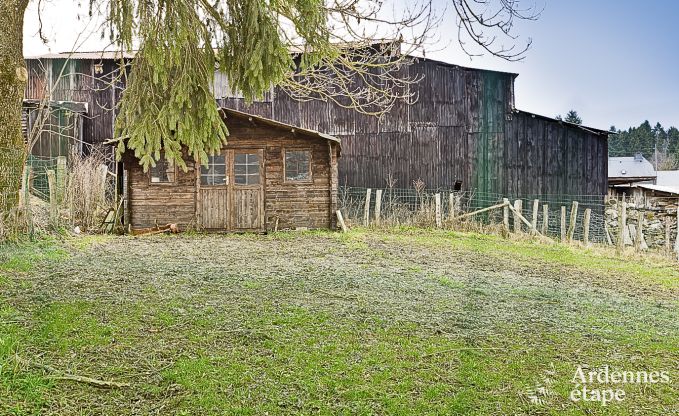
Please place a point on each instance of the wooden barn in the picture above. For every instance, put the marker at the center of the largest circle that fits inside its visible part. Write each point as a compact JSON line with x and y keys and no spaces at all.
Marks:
{"x":269,"y":176}
{"x":464,"y":132}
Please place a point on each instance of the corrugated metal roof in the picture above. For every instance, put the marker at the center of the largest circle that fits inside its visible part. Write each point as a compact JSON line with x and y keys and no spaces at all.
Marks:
{"x":668,"y":178}
{"x":630,"y":167}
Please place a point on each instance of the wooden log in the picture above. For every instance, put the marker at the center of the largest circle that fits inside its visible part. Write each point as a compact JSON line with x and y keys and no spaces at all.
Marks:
{"x":61,"y":178}
{"x":545,"y":219}
{"x":640,"y":235}
{"x":340,"y":221}
{"x":378,"y":206}
{"x":479,"y":211}
{"x":563,"y":223}
{"x":518,"y":204}
{"x":366,"y":209}
{"x":623,"y":224}
{"x":505,"y":217}
{"x":573,"y":220}
{"x":536,"y":208}
{"x":54,"y":208}
{"x":437,"y":202}
{"x":585,"y":237}
{"x":451,"y":207}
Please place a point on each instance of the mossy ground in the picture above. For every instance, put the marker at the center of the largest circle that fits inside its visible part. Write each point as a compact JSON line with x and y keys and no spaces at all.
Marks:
{"x":401,"y":322}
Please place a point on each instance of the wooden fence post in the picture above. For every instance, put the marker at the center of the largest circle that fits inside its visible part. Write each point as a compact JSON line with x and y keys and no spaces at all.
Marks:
{"x":378,"y":206}
{"x":640,"y":234}
{"x":668,"y":229}
{"x":623,"y":224}
{"x":61,"y":178}
{"x":54,"y":208}
{"x":536,"y":207}
{"x":518,"y":205}
{"x":451,"y":207}
{"x":505,"y":217}
{"x":573,"y":220}
{"x":366,"y":209}
{"x":437,"y":202}
{"x":585,"y":237}
{"x":340,"y":220}
{"x":545,"y":219}
{"x":563,"y":223}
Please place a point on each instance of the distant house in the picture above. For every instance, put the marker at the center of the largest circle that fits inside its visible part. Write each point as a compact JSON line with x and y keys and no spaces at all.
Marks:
{"x":269,"y":176}
{"x":628,"y":170}
{"x":636,"y":178}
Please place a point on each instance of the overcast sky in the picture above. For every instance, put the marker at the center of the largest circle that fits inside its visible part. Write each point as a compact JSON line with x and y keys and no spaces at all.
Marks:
{"x":614,"y":61}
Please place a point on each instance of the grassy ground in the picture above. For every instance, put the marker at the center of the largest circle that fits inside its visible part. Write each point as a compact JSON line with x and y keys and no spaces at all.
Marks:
{"x":408,"y":322}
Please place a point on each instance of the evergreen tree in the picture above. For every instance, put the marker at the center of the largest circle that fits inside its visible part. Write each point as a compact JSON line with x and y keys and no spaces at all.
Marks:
{"x":573,"y":117}
{"x":168,"y":102}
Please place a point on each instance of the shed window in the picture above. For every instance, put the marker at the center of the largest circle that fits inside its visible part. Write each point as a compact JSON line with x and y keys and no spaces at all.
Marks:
{"x":215,"y":172}
{"x":246,"y":168}
{"x":297,"y":165}
{"x":163,"y":172}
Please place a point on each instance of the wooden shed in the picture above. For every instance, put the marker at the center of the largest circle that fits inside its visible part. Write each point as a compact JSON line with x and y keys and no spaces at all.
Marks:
{"x":269,"y":176}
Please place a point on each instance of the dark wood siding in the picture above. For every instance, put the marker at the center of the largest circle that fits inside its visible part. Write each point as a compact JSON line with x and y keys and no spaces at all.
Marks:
{"x":463,"y":128}
{"x":287,"y":205}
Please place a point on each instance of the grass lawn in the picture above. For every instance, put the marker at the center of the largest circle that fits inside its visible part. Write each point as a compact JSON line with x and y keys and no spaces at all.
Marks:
{"x":399,"y":323}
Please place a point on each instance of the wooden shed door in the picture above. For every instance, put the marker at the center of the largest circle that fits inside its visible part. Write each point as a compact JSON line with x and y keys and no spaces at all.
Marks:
{"x":214,"y":194}
{"x":247,"y":190}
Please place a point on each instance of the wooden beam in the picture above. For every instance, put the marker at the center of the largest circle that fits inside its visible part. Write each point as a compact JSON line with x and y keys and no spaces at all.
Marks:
{"x":545,"y":219}
{"x":479,"y":211}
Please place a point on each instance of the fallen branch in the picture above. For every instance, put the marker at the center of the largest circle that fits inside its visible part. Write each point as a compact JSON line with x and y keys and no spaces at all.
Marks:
{"x":60,"y":375}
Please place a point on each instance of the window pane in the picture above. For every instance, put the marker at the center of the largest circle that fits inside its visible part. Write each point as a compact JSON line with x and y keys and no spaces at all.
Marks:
{"x":215,"y":172}
{"x":246,"y":169}
{"x":163,"y":172}
{"x":297,"y":164}
{"x":239,"y":170}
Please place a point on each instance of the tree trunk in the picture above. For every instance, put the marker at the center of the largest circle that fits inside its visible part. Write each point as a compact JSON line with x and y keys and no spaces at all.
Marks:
{"x":13,"y":77}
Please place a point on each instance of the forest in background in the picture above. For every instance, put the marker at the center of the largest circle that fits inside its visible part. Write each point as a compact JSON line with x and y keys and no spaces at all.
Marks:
{"x":658,"y":144}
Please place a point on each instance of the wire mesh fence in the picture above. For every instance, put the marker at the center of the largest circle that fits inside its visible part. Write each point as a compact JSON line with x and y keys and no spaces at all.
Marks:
{"x":418,"y":207}
{"x":51,"y":193}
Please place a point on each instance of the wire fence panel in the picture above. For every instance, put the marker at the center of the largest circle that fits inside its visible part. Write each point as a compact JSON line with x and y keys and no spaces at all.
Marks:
{"x":417,"y":207}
